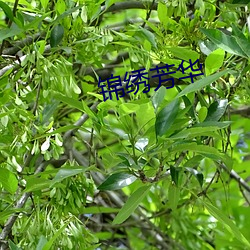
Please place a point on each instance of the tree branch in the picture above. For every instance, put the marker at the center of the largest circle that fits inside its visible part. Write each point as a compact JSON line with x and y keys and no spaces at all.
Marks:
{"x":79,"y":123}
{"x":235,"y":176}
{"x":21,"y":44}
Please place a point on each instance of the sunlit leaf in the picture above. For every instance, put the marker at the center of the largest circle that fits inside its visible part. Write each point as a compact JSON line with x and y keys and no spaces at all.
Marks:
{"x":158,"y":97}
{"x":223,"y":41}
{"x":117,"y":181}
{"x":198,"y":85}
{"x":162,"y":12}
{"x":216,"y":110}
{"x":214,"y":61}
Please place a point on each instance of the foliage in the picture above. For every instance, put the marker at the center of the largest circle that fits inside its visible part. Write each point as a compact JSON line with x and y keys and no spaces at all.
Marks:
{"x":167,"y":169}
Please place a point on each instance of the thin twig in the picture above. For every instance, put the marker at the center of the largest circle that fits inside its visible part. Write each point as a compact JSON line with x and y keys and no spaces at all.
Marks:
{"x":244,"y":195}
{"x":9,"y":25}
{"x":148,"y":14}
{"x":37,"y":97}
{"x":235,"y":176}
{"x":79,"y":123}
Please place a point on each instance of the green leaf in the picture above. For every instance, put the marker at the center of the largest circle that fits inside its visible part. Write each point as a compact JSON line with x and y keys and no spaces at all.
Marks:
{"x":9,"y":211}
{"x":174,"y":172}
{"x":117,"y":181}
{"x":49,"y":244}
{"x":13,"y":246}
{"x":98,"y":210}
{"x":9,"y":32}
{"x":202,"y":83}
{"x":56,"y":35}
{"x":219,"y":125}
{"x":214,"y":61}
{"x":207,"y":46}
{"x":56,"y":131}
{"x":36,"y":21}
{"x":173,"y":196}
{"x":41,"y":243}
{"x":88,"y":111}
{"x":241,"y":40}
{"x":49,"y":110}
{"x":204,"y":150}
{"x":70,"y":101}
{"x":162,"y":12}
{"x":44,"y":3}
{"x":108,"y":3}
{"x":223,"y":41}
{"x":128,"y":108}
{"x":202,"y":114}
{"x":237,"y":32}
{"x":68,"y":12}
{"x":181,"y":145}
{"x":193,"y":132}
{"x":166,"y":117}
{"x":132,"y":203}
{"x":216,"y":110}
{"x":188,"y":104}
{"x":184,"y":54}
{"x":227,"y":223}
{"x":66,"y":172}
{"x":158,"y":97}
{"x":7,"y":10}
{"x":198,"y":175}
{"x":33,"y":183}
{"x":148,"y":35}
{"x":194,"y":161}
{"x":8,"y":180}
{"x":244,"y":45}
